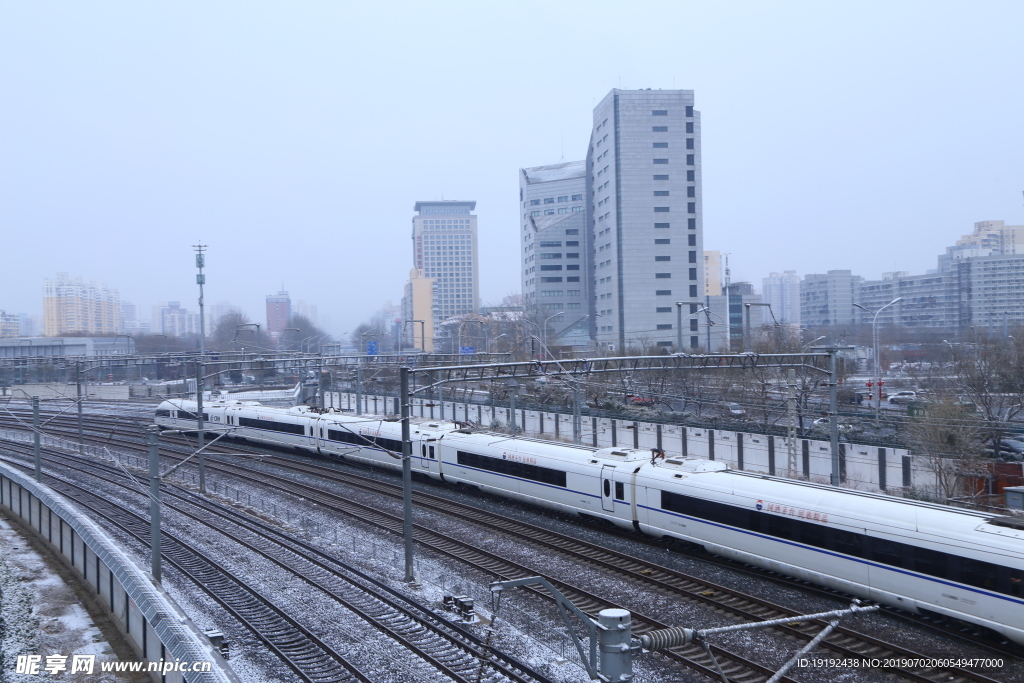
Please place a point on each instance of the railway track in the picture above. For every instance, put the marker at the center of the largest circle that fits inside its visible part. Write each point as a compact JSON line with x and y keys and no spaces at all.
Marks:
{"x":450,"y":649}
{"x":844,"y":642}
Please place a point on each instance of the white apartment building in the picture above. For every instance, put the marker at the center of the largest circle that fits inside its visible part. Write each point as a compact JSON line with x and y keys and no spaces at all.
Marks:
{"x":782,"y":292}
{"x":555,"y":259}
{"x":644,"y":217}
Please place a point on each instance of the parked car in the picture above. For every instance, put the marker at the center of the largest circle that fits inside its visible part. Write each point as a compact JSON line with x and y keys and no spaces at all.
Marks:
{"x":822,"y":423}
{"x":903,"y":397}
{"x":736,"y":410}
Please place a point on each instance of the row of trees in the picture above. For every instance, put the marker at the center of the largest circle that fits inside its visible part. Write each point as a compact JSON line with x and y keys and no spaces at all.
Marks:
{"x":234,"y":331}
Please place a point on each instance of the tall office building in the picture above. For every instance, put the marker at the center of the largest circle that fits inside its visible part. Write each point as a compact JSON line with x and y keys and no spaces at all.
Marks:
{"x":71,"y":305}
{"x":782,"y":292}
{"x":279,"y":311}
{"x":555,"y":259}
{"x":644,"y":216}
{"x":10,"y":325}
{"x":445,"y":250}
{"x":170,"y":318}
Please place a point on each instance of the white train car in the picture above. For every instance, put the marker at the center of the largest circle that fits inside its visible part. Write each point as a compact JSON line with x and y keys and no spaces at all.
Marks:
{"x":917,"y":556}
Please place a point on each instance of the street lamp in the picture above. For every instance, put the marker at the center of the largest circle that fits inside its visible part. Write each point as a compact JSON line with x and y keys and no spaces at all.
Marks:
{"x":878,"y":366}
{"x":459,"y":331}
{"x":679,"y":324}
{"x":544,"y":329}
{"x":746,"y":329}
{"x":423,"y":334}
{"x":811,"y":342}
{"x":491,"y":341}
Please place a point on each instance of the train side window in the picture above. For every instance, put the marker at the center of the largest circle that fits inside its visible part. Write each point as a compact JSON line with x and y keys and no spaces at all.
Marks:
{"x":848,"y":542}
{"x":1015,"y":577}
{"x":607,"y":488}
{"x":887,"y":552}
{"x":432,"y":453}
{"x":929,"y":561}
{"x":620,"y":491}
{"x":977,"y":573}
{"x":817,"y":535}
{"x":423,"y":450}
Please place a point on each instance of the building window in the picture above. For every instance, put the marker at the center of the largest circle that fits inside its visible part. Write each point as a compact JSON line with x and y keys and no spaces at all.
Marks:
{"x":535,"y":212}
{"x":550,"y":255}
{"x":550,"y":244}
{"x":691,"y":176}
{"x":662,"y":258}
{"x":571,"y":254}
{"x":572,"y":243}
{"x":689,"y":126}
{"x":572,"y":266}
{"x":661,"y":193}
{"x":661,"y":177}
{"x":551,"y":267}
{"x":577,"y":209}
{"x":693,"y":291}
{"x":551,"y":292}
{"x":691,"y":191}
{"x":663,"y":241}
{"x":661,"y":209}
{"x":659,"y":112}
{"x":534,"y":202}
{"x":549,"y":212}
{"x":691,"y":223}
{"x":577,"y":198}
{"x":667,"y":326}
{"x":661,"y":225}
{"x":689,"y":143}
{"x":691,"y":207}
{"x":693,"y":324}
{"x":691,"y":240}
{"x":552,"y":307}
{"x":572,"y":292}
{"x":573,"y":278}
{"x":551,"y":279}
{"x":661,"y":161}
{"x":690,"y":159}
{"x":663,"y":309}
{"x":693,"y":254}
{"x":563,"y":198}
{"x":689,"y":111}
{"x":664,"y":276}
{"x":549,"y":200}
{"x":573,"y":304}
{"x":693,"y":273}
{"x":572,"y":231}
{"x":563,"y":209}
{"x":659,"y":129}
{"x":663,"y":292}
{"x":661,"y":145}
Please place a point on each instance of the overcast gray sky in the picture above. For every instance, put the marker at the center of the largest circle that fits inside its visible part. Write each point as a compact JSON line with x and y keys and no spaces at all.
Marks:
{"x":294,"y":137}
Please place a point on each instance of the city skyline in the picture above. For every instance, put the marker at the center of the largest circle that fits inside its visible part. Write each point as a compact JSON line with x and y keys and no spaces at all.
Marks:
{"x":821,"y":151}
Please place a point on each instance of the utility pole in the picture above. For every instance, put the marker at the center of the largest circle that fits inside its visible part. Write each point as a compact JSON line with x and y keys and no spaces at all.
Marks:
{"x":679,"y":326}
{"x":406,"y":396}
{"x":154,"y":500}
{"x":833,"y":414}
{"x":199,"y":423}
{"x":791,"y":464}
{"x":577,"y":427}
{"x":81,"y":427}
{"x":359,"y":390}
{"x":201,"y":280}
{"x":512,"y":389}
{"x":37,"y":458}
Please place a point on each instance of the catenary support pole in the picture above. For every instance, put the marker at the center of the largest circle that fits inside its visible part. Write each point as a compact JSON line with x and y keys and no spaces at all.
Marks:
{"x":576,"y":426}
{"x":512,"y":389}
{"x":791,"y":465}
{"x":200,"y":423}
{"x":36,"y":457}
{"x":81,"y":427}
{"x":154,"y":500}
{"x":615,"y":633}
{"x":410,"y":575}
{"x":833,"y":414}
{"x":359,"y":390}
{"x":679,"y":327}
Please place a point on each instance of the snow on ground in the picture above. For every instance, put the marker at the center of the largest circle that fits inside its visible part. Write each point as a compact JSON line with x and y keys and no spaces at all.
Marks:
{"x":42,"y":615}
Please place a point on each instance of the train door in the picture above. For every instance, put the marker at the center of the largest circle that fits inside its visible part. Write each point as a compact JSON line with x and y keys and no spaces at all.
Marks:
{"x":608,"y":488}
{"x":427,"y":453}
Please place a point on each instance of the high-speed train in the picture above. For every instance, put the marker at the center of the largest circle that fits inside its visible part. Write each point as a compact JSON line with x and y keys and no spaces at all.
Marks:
{"x":917,"y":556}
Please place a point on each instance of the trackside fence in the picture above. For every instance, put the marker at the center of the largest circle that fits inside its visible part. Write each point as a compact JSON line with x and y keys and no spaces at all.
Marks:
{"x":151,"y":622}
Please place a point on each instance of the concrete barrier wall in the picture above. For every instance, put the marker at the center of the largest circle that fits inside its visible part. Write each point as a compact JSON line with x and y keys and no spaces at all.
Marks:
{"x":862,"y":466}
{"x":151,"y":622}
{"x":107,"y":392}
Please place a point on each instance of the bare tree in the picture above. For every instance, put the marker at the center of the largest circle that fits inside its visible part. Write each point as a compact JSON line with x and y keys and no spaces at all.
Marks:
{"x":948,"y":441}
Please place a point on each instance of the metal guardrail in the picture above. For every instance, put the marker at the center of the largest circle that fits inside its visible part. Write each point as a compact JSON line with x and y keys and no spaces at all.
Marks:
{"x":166,"y":634}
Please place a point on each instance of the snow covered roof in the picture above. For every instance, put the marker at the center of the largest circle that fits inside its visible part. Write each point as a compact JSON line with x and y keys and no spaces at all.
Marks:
{"x":562,"y":171}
